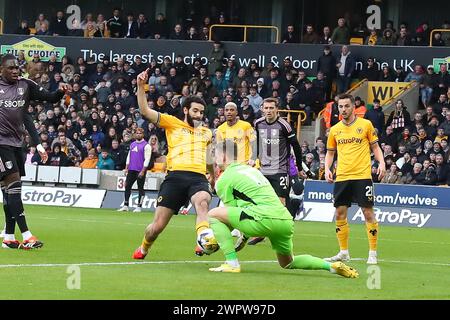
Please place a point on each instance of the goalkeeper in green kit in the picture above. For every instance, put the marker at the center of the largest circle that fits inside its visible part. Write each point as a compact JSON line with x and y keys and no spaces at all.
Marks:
{"x":252,"y":206}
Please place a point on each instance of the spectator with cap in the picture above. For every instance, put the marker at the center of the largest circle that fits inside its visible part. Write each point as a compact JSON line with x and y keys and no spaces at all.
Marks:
{"x":376,"y":116}
{"x":261,"y":88}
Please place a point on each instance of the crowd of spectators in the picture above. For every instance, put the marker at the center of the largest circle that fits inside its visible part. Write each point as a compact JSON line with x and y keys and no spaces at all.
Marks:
{"x":127,"y":26}
{"x":415,"y":147}
{"x":389,"y":36}
{"x":139,"y":26}
{"x":94,"y":125}
{"x":101,"y":113}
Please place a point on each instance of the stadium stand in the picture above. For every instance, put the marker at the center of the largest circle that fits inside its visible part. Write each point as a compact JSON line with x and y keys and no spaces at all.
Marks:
{"x":101,"y":112}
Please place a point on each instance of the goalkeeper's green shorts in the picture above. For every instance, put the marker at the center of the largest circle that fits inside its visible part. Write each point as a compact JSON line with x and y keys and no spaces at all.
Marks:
{"x":278,"y":231}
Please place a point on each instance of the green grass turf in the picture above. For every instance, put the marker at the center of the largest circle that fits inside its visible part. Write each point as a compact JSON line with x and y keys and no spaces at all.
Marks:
{"x":74,"y":236}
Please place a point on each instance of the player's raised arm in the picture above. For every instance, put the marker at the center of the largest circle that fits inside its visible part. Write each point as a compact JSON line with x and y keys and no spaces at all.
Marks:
{"x":149,"y":114}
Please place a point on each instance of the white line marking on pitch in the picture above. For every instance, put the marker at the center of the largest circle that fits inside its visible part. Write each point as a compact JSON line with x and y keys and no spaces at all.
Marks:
{"x":190,"y":262}
{"x":186,"y":227}
{"x":120,"y":263}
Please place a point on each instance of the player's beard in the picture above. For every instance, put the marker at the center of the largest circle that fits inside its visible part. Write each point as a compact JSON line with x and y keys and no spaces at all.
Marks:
{"x":193,"y":122}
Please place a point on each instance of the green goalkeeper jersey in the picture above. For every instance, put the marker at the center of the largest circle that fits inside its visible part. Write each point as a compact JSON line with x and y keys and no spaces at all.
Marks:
{"x":245,"y":187}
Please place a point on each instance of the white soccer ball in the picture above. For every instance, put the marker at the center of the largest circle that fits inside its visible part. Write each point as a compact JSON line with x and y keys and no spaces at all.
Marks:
{"x":207,"y":241}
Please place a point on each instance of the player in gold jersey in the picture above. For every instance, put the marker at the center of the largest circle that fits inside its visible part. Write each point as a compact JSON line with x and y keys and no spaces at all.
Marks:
{"x":241,"y":132}
{"x":188,"y":143}
{"x":353,"y":138}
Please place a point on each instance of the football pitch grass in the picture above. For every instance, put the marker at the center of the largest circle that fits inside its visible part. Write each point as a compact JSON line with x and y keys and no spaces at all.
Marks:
{"x":97,"y":245}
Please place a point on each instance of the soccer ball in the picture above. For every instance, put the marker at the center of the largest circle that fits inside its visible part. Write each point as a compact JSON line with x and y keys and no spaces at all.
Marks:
{"x":207,"y":241}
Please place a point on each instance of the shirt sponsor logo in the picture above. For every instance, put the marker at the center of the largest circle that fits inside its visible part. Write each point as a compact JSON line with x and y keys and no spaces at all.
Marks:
{"x":272,"y":141}
{"x":12,"y":104}
{"x":20,"y":91}
{"x":351,"y":140}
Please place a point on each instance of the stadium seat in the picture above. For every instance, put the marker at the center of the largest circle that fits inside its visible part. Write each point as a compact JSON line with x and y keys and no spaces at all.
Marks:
{"x":356,"y":40}
{"x":32,"y":31}
{"x":48,"y":174}
{"x":70,"y":175}
{"x":151,"y":183}
{"x":30,"y":173}
{"x":90,"y":176}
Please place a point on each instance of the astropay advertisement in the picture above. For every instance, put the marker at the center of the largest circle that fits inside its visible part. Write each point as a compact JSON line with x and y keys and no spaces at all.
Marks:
{"x":64,"y":197}
{"x":403,"y":205}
